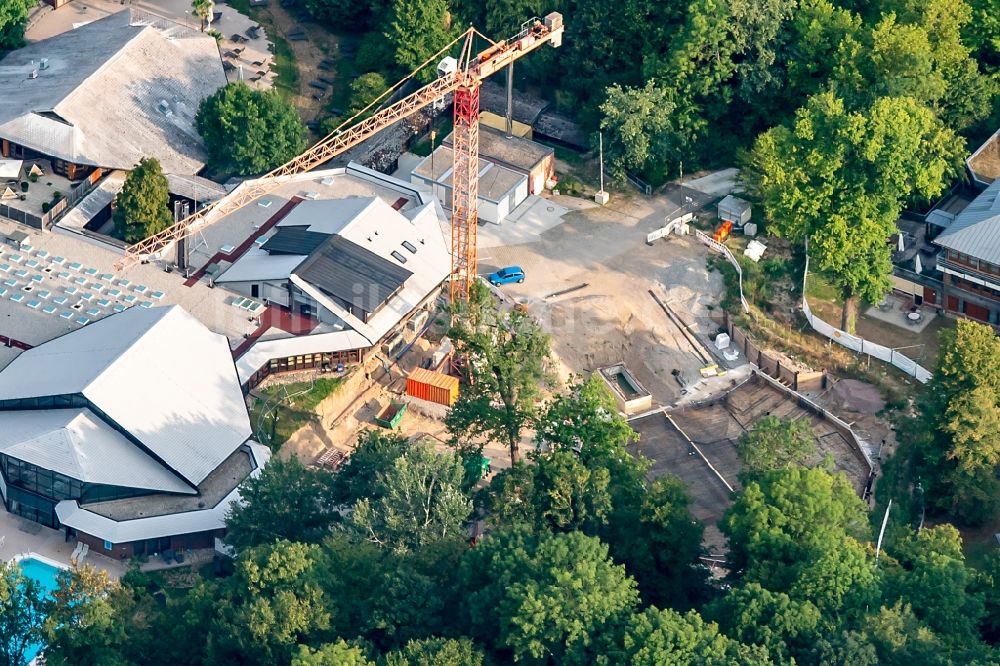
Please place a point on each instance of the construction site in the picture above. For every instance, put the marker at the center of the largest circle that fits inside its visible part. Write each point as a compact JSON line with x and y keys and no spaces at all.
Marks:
{"x":697,"y":442}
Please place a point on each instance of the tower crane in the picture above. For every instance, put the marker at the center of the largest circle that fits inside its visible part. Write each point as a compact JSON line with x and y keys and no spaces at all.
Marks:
{"x":463,"y":77}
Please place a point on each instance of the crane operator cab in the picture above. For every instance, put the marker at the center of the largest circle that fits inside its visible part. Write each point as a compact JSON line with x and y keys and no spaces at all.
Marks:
{"x":447,"y":67}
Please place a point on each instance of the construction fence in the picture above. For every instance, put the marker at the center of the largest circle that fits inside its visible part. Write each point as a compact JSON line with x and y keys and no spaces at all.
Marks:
{"x":858,"y":344}
{"x":797,"y":380}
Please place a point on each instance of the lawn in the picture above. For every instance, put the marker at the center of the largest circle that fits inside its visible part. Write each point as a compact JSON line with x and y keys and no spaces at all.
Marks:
{"x":287,"y":408}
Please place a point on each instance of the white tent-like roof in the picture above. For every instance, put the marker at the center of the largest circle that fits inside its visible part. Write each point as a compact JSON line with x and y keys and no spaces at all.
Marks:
{"x":157,"y":373}
{"x":77,"y":444}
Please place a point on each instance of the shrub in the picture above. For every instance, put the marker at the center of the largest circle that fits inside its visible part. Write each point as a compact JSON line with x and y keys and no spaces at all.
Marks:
{"x":33,"y":177}
{"x":56,"y":196}
{"x":46,"y":207}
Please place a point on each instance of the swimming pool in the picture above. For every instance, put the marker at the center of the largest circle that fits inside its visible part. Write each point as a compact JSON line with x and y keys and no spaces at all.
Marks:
{"x":45,"y":573}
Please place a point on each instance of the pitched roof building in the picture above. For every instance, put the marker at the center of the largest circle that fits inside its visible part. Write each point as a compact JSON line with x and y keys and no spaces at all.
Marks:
{"x":129,"y":430}
{"x":109,"y":93}
{"x":355,"y":265}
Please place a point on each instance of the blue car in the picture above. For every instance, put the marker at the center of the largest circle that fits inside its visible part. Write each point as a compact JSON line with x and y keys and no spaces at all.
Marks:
{"x":506,"y":276}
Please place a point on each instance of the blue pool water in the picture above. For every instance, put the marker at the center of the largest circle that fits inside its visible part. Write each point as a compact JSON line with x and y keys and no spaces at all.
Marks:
{"x":45,"y":575}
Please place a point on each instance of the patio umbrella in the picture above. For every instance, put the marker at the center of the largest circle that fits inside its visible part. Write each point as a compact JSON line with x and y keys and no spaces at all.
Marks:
{"x":917,"y":267}
{"x":900,"y":245}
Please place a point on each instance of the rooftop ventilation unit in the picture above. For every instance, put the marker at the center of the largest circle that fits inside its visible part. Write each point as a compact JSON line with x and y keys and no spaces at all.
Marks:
{"x":164,"y":108}
{"x":43,"y":63}
{"x":33,"y":74}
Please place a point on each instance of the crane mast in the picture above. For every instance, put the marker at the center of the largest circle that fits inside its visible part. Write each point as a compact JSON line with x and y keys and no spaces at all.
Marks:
{"x":464,"y":81}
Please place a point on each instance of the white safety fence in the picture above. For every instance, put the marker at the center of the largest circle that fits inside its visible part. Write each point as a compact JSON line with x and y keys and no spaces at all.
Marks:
{"x":854,"y":343}
{"x":723,"y":250}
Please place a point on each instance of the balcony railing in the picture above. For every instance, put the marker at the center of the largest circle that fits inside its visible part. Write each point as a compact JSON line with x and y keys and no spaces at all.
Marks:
{"x":992,"y":280}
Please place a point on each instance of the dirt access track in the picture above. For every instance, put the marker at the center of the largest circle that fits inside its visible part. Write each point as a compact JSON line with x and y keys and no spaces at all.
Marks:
{"x":614,"y":317}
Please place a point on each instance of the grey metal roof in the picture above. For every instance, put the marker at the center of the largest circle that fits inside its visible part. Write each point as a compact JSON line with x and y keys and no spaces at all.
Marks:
{"x":523,"y":154}
{"x":294,"y":240}
{"x":77,"y":444}
{"x":976,"y":230}
{"x":352,"y":273}
{"x":157,"y":373}
{"x":98,"y":100}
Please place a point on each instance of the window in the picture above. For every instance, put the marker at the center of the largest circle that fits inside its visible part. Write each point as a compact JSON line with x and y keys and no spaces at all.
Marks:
{"x":410,"y":247}
{"x":398,"y":257}
{"x":108,"y":545}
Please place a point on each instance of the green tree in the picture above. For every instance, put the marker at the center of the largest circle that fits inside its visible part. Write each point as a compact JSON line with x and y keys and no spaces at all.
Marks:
{"x":203,"y":10}
{"x":340,"y":653}
{"x":13,"y":17}
{"x":753,"y":615}
{"x":417,"y":29}
{"x":557,"y":492}
{"x":957,"y":445}
{"x":420,"y":500}
{"x":83,"y":626}
{"x":274,"y":602}
{"x":142,"y":207}
{"x":366,"y":89}
{"x":585,"y":419}
{"x":508,"y":352}
{"x":359,"y":14}
{"x":839,"y":178}
{"x":249,"y":131}
{"x":660,"y":544}
{"x":375,"y":453}
{"x":773,"y":443}
{"x":437,"y":652}
{"x":666,"y":638}
{"x":784,"y":520}
{"x":935,"y":581}
{"x":648,"y":131}
{"x":287,"y":500}
{"x":544,"y":598}
{"x":22,"y":614}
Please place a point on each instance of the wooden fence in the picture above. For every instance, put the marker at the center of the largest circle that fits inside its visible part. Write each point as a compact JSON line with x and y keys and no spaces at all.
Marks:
{"x":797,"y":380}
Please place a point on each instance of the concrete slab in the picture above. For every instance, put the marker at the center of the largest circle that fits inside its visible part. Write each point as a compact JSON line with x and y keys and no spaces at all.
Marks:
{"x":717,"y":184}
{"x":525,"y":224}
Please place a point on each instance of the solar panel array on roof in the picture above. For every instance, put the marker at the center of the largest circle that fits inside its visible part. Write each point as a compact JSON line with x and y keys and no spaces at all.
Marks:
{"x":353,"y":274}
{"x":294,"y":240}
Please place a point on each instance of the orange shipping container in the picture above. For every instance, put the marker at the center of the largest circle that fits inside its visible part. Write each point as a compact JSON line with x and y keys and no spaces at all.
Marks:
{"x":433,"y":386}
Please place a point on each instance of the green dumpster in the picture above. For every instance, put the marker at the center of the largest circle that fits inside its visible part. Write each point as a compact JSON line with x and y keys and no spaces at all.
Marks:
{"x":391,"y":415}
{"x":477,"y":467}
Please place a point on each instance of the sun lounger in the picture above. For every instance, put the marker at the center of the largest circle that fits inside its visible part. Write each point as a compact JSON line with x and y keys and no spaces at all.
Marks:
{"x":66,"y":314}
{"x":49,"y":309}
{"x":130,"y":298}
{"x":156,"y":295}
{"x":91,"y":271}
{"x":59,"y":300}
{"x":11,"y":282}
{"x":113,"y":293}
{"x":93,"y":312}
{"x":44,"y":295}
{"x":87,"y":296}
{"x":80,"y":281}
{"x":119,"y":307}
{"x":75,"y":266}
{"x":71,"y":290}
{"x":17,"y":297}
{"x":146,"y":304}
{"x":82,"y":321}
{"x":31,"y":263}
{"x":42,"y":254}
{"x":103,"y":302}
{"x":58,"y":261}
{"x":33,"y":303}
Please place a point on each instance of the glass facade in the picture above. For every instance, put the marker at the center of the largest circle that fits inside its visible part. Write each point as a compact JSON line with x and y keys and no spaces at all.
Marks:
{"x":33,"y":491}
